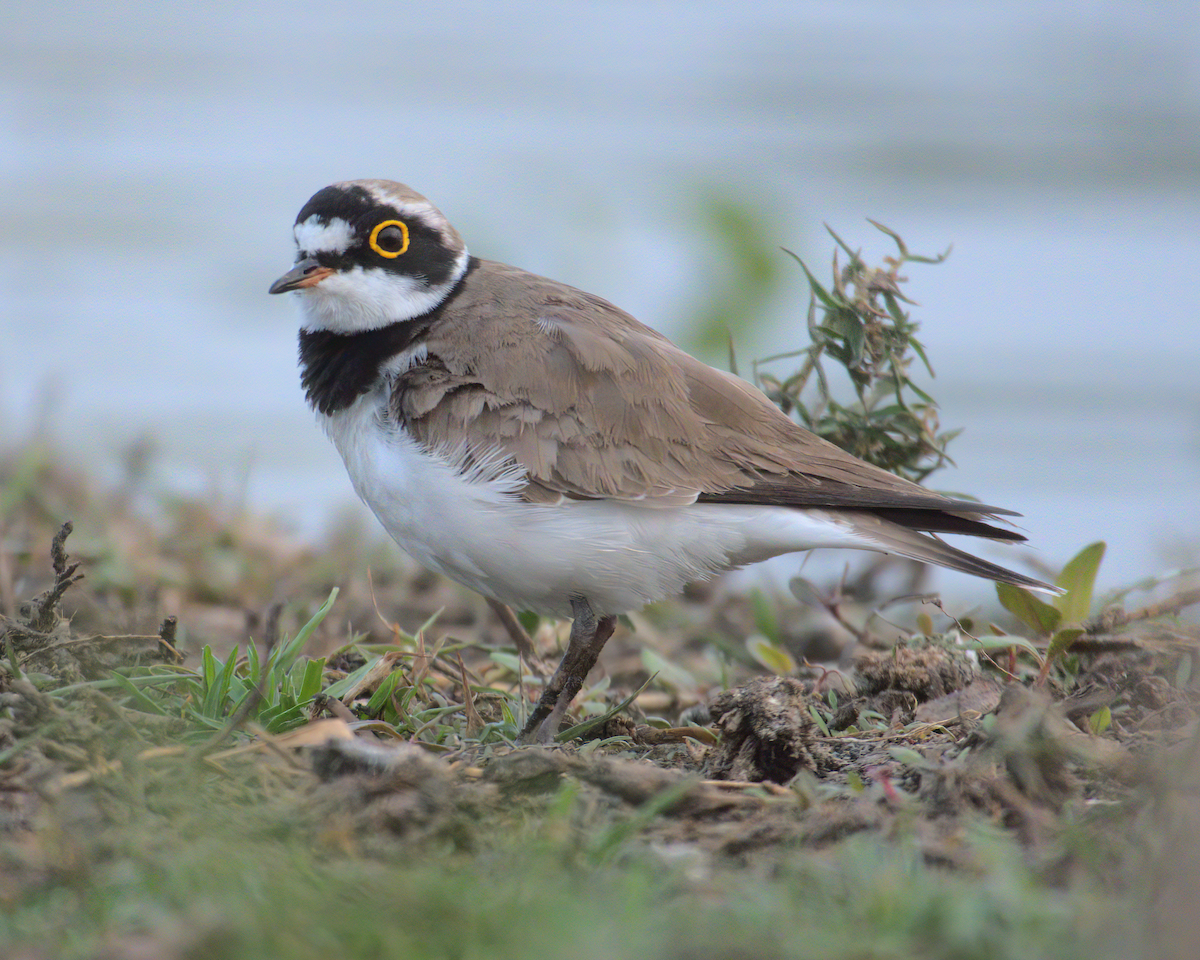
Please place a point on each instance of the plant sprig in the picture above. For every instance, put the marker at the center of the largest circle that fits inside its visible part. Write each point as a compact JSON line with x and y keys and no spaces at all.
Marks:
{"x":858,"y":322}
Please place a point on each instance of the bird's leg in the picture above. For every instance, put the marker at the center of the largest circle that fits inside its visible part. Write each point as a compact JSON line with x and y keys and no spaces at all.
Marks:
{"x":525,"y":648}
{"x":589,"y":633}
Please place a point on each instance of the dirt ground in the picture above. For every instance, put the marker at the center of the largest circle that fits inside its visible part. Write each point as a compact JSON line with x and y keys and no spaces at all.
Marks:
{"x":1093,"y":773}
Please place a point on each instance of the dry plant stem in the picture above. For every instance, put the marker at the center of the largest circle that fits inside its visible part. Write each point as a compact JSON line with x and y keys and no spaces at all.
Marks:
{"x":335,"y":706}
{"x":523,"y":641}
{"x":81,"y":642}
{"x":474,"y":721}
{"x":1107,"y":622}
{"x":166,"y":637}
{"x":937,"y":602}
{"x":64,"y":576}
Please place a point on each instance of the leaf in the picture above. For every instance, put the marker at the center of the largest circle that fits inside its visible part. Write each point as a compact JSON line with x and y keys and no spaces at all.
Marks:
{"x":818,"y":719}
{"x":671,"y":675}
{"x":764,"y":615}
{"x":1061,"y":642}
{"x":310,"y":684}
{"x":774,"y":658}
{"x":572,"y":733}
{"x":1078,"y":578}
{"x":806,"y":592}
{"x":287,"y":655}
{"x":1028,"y":609}
{"x":340,"y":688}
{"x":1002,"y":642}
{"x":140,"y":700}
{"x":817,"y":289}
{"x":210,"y":667}
{"x":1099,"y":721}
{"x":383,"y":692}
{"x":919,"y":349}
{"x":910,"y":758}
{"x":255,"y":667}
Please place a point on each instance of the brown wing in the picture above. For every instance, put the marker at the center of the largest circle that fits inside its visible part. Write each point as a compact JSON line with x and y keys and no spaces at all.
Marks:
{"x":593,"y":404}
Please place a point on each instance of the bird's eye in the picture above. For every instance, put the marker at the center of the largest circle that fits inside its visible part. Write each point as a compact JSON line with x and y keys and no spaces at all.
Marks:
{"x":389,"y":239}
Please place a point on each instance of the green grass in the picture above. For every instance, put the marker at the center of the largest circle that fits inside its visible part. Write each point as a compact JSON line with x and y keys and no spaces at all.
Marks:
{"x":204,"y":873}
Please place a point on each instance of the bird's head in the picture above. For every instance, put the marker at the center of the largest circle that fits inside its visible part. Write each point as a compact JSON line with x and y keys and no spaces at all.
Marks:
{"x":371,"y":253}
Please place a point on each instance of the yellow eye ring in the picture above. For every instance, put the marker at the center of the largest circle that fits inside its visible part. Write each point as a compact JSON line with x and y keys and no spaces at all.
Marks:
{"x":374,"y":240}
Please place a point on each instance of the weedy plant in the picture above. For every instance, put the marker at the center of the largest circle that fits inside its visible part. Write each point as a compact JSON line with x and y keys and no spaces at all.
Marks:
{"x":275,"y":694}
{"x":859,"y":323}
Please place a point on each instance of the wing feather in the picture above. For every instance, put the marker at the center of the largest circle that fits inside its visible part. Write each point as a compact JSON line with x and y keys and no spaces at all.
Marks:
{"x":590,"y":403}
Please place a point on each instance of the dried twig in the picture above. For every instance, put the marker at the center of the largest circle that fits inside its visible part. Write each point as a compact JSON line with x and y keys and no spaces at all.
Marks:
{"x":1115,"y":618}
{"x":64,"y":575}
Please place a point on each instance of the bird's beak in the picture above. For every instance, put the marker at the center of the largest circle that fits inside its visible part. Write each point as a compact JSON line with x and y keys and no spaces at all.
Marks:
{"x":307,"y":273}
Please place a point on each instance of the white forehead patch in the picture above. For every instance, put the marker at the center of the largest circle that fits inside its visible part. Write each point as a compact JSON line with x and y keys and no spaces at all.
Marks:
{"x":335,"y":237}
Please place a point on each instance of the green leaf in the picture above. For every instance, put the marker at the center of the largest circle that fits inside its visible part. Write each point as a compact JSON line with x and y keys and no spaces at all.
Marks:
{"x":1078,"y":578}
{"x":806,"y":592}
{"x":217,"y":683}
{"x":210,"y":667}
{"x":919,"y":349}
{"x":340,"y":688}
{"x":774,"y":658}
{"x":817,"y":289}
{"x":1061,"y":642}
{"x":818,"y":719}
{"x":383,"y":692}
{"x":1028,"y":609}
{"x":671,"y":675}
{"x":910,"y":758}
{"x":1003,"y":642}
{"x":140,"y":700}
{"x":572,"y":733}
{"x":255,"y":667}
{"x":283,"y":718}
{"x":310,"y":683}
{"x":764,"y":615}
{"x":1099,"y":721}
{"x":285,"y":655}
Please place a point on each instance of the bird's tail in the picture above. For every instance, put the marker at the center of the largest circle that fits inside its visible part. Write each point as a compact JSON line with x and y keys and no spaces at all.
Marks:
{"x":893,"y":538}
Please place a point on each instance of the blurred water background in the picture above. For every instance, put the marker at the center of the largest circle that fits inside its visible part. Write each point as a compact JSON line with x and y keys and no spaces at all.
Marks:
{"x":658,"y":153}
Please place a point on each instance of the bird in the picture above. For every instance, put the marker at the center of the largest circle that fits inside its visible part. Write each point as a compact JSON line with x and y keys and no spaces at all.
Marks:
{"x":542,"y":447}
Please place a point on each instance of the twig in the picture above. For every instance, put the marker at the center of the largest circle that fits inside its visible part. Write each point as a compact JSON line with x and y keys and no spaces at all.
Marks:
{"x":64,"y":576}
{"x":1110,"y":620}
{"x":937,"y":602}
{"x":166,"y":637}
{"x":474,"y":720}
{"x":78,"y":641}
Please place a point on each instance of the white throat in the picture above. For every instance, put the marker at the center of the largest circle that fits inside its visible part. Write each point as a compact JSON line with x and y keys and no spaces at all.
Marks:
{"x":357,"y":300}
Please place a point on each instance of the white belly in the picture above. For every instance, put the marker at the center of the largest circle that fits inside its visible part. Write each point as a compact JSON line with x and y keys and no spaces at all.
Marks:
{"x":619,"y":555}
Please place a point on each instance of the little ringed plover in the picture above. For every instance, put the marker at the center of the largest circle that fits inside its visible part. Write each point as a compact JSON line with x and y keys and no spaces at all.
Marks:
{"x":544,"y":448}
